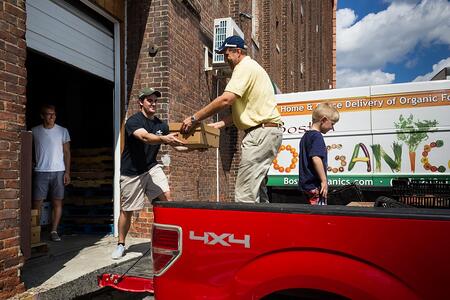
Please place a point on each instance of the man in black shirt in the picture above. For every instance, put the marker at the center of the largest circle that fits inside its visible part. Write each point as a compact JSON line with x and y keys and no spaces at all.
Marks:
{"x":140,"y":173}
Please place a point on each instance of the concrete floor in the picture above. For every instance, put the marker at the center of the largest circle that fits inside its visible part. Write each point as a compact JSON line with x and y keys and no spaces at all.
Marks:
{"x":70,"y":268}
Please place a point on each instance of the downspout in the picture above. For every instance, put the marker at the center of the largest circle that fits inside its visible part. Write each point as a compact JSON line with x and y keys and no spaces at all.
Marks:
{"x":207,"y":68}
{"x":217,"y":152}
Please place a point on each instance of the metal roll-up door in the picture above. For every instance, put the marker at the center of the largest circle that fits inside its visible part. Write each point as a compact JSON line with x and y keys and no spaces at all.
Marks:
{"x":64,"y":32}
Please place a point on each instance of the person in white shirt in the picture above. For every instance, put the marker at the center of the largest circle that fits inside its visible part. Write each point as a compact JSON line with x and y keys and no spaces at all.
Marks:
{"x":52,"y":165}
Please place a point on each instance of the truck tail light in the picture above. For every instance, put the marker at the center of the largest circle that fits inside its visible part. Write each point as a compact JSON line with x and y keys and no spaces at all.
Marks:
{"x":166,"y":247}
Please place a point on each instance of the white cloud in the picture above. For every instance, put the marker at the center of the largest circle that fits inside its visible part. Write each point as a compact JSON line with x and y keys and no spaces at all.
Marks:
{"x":350,"y":77}
{"x":398,"y":1}
{"x":436,"y":68}
{"x":412,"y":63}
{"x":345,"y":18}
{"x":366,"y":46}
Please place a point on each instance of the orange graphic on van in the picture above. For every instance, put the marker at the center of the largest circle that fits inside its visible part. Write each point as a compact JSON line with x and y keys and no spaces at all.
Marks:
{"x":294,"y":159}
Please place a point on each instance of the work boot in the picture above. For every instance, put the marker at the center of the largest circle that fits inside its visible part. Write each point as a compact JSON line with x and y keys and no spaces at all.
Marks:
{"x":54,"y":236}
{"x":118,"y":253}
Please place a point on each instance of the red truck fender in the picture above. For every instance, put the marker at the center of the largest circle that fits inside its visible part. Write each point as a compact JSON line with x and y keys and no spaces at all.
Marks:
{"x":321,"y":270}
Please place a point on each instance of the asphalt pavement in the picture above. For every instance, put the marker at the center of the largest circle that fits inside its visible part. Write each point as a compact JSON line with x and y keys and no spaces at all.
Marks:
{"x":141,"y":269}
{"x":69,"y":268}
{"x":112,"y":294}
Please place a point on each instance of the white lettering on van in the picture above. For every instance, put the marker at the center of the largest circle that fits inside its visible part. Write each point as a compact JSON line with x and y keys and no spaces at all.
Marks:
{"x":418,"y":100}
{"x":290,"y":181}
{"x":288,"y":109}
{"x":363,"y":103}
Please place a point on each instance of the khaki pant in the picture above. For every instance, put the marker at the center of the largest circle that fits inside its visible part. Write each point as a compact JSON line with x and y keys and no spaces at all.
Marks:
{"x":152,"y":184}
{"x":259,"y":148}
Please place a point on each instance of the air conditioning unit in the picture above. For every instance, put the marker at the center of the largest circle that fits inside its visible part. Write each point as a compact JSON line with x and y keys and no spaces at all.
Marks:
{"x":223,"y":28}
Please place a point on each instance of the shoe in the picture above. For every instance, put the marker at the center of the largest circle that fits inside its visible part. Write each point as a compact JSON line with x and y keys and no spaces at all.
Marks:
{"x":118,"y":253}
{"x":54,"y":236}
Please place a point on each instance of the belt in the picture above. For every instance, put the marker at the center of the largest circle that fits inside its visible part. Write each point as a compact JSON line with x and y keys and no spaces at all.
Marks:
{"x":268,"y":124}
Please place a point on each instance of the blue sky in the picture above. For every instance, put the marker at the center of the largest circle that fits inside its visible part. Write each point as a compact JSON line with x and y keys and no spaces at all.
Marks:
{"x":391,"y":41}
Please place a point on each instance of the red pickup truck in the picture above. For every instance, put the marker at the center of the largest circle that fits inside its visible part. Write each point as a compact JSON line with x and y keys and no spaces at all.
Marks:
{"x":291,"y":251}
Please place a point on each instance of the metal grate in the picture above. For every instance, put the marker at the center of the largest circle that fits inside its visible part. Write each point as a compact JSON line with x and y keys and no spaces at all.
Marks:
{"x":223,"y":28}
{"x":220,"y":32}
{"x":426,"y":193}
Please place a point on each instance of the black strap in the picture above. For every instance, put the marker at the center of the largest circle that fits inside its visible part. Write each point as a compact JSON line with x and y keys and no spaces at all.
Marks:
{"x":120,"y":278}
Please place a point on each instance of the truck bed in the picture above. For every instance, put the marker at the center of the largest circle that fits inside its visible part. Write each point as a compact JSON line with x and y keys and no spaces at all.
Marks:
{"x":248,"y":251}
{"x":291,"y":208}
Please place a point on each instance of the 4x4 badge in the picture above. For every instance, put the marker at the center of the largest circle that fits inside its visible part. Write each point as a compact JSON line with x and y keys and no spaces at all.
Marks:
{"x":224,"y":239}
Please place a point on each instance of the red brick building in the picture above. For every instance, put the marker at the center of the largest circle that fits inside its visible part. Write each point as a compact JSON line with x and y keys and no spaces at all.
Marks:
{"x":293,"y":40}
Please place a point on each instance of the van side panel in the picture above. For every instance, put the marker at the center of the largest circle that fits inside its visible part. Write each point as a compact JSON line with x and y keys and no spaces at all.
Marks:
{"x":384,"y":132}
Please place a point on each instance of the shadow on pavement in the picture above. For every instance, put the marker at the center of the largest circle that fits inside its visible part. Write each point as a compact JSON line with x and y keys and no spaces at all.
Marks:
{"x":70,"y":267}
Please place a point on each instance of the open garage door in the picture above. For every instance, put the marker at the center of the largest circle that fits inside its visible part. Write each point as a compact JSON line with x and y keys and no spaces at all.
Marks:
{"x":66,"y":33}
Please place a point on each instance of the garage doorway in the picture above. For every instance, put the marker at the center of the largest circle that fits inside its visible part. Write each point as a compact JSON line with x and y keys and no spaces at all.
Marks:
{"x":84,"y":105}
{"x":73,"y":62}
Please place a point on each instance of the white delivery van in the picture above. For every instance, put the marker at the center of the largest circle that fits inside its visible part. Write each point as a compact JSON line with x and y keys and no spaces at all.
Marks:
{"x":384,"y":132}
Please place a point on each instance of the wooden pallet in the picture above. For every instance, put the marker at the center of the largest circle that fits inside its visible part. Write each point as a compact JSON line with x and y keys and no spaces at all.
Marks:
{"x":91,"y":182}
{"x":88,"y":201}
{"x":83,"y":175}
{"x":86,"y":220}
{"x":87,"y":228}
{"x":91,"y":211}
{"x":91,"y":151}
{"x":94,"y":159}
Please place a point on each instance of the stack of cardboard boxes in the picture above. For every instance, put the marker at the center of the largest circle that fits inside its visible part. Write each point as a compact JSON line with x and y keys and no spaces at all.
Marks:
{"x":38,"y":248}
{"x":35,"y":227}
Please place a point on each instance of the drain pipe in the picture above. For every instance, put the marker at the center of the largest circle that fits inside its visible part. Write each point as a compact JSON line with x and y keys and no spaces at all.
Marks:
{"x":207,"y":68}
{"x":217,"y":151}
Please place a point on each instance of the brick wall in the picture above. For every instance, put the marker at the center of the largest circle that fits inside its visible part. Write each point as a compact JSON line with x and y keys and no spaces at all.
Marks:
{"x":296,"y":36}
{"x":147,"y":28}
{"x":178,"y":71}
{"x":286,"y":40}
{"x":334,"y":43}
{"x":12,"y":120}
{"x":193,"y":175}
{"x":179,"y":31}
{"x":316,"y":37}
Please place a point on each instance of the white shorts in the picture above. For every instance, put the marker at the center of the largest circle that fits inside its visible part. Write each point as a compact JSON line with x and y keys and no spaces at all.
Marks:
{"x":152,"y":184}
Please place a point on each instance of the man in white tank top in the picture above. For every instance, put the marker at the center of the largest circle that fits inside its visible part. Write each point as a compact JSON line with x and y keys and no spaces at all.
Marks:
{"x":52,"y":165}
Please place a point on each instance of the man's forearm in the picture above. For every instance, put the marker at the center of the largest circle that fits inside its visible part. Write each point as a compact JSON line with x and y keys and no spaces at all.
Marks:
{"x":218,"y":104}
{"x":210,"y":109}
{"x":153,"y":139}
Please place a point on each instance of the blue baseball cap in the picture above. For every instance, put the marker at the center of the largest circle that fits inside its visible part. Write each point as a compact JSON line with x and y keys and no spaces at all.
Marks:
{"x":233,"y":41}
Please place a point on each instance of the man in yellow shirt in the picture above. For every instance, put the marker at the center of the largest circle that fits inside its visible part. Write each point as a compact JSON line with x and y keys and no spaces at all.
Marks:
{"x":251,"y":96}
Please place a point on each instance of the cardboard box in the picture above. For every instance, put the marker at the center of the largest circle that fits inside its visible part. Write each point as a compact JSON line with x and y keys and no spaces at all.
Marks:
{"x":35,"y":234}
{"x":202,"y":137}
{"x":46,"y":213}
{"x":361,"y":204}
{"x":34,"y":217}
